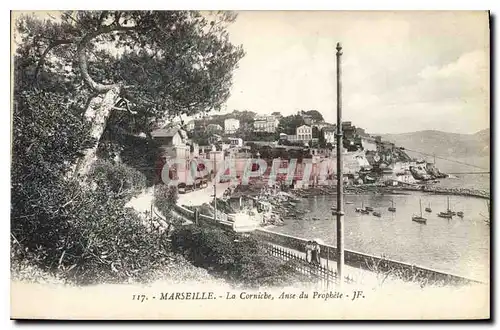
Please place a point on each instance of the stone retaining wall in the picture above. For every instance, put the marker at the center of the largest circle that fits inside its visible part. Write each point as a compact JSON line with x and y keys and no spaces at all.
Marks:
{"x":365,"y":261}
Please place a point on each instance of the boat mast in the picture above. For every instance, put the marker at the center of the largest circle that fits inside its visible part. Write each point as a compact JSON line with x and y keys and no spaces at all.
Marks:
{"x":340,"y":179}
{"x":421,"y":208}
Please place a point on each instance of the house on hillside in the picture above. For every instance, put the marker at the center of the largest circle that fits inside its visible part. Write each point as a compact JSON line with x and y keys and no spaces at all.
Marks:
{"x":349,"y":131}
{"x":304,"y":133}
{"x":329,"y":134}
{"x":265,"y":123}
{"x":212,"y":128}
{"x":171,"y":136}
{"x":231,"y":125}
{"x":173,"y":142}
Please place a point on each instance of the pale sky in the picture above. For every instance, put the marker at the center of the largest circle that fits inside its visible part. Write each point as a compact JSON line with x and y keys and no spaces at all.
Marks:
{"x":402,"y":72}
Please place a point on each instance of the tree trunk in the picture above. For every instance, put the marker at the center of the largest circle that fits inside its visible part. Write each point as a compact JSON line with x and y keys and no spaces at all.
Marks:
{"x":97,"y":113}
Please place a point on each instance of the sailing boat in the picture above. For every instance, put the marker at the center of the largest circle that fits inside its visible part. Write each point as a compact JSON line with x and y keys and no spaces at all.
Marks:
{"x":448,"y":214}
{"x":357,"y":209}
{"x":392,"y":208}
{"x":362,"y":209}
{"x":428,"y":208}
{"x":419,"y":219}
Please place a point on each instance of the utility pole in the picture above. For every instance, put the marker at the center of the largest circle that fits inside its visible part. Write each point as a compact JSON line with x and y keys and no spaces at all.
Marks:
{"x":215,"y":193}
{"x":340,"y":176}
{"x":215,"y":202}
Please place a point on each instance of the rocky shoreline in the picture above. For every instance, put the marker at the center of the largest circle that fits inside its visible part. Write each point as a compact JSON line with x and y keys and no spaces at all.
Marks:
{"x":383,"y":190}
{"x":284,"y":203}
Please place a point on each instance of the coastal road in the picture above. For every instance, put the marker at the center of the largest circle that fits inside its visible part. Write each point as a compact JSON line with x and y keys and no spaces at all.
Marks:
{"x":201,"y":196}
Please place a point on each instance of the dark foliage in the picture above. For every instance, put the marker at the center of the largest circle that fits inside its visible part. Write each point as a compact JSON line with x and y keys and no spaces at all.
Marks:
{"x":238,"y":259}
{"x":165,"y":198}
{"x":169,"y":63}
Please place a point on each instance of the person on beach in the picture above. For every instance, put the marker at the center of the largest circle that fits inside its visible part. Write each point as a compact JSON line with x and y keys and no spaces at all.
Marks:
{"x":309,"y":249}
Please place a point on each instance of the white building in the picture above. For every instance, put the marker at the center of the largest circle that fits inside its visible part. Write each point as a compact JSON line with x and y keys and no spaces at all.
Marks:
{"x":265,"y":124}
{"x":172,"y":142}
{"x":329,"y":134}
{"x":236,"y":142}
{"x":304,"y":133}
{"x":231,"y":125}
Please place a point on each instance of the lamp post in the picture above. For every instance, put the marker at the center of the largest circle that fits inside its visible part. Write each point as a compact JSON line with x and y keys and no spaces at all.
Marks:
{"x":215,"y":201}
{"x":215,"y":190}
{"x":340,"y":177}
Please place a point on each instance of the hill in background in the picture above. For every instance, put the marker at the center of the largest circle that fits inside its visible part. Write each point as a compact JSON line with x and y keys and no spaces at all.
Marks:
{"x":472,"y":149}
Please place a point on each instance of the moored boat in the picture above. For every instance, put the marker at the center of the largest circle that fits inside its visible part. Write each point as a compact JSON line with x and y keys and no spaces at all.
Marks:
{"x":428,"y":208}
{"x":363,"y":209}
{"x":449,"y":213}
{"x":419,"y":218}
{"x":445,"y":215}
{"x":377,"y":214}
{"x":392,"y":208}
{"x":460,"y":214}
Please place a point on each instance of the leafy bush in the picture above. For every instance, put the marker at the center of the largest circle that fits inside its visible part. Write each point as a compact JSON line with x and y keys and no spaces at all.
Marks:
{"x":120,"y":180}
{"x":92,"y":239}
{"x":165,"y":198}
{"x":79,"y":228}
{"x":238,"y":259}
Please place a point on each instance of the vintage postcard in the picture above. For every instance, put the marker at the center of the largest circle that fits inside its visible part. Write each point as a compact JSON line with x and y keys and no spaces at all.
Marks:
{"x":293,"y":165}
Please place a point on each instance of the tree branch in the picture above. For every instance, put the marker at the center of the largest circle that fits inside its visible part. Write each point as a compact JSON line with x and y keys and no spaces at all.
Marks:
{"x":103,"y":15}
{"x":68,"y":15}
{"x":82,"y":55}
{"x":54,"y":44}
{"x":127,"y":108}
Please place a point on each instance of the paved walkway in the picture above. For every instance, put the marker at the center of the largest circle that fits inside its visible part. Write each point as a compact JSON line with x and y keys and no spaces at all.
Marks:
{"x":360,"y":277}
